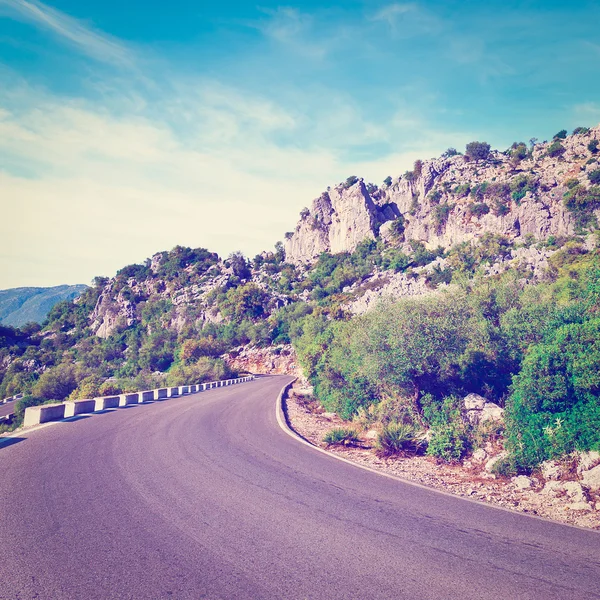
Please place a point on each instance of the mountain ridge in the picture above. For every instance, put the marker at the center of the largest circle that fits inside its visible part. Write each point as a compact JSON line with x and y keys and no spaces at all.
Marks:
{"x":22,"y":305}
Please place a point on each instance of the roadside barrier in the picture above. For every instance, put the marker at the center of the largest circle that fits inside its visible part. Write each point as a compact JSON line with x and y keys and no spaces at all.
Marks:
{"x":36,"y":415}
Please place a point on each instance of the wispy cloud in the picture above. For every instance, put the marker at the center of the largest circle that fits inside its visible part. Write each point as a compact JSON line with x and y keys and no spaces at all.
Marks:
{"x":588,"y":111}
{"x":290,"y":27}
{"x":97,"y":45}
{"x":392,"y":12}
{"x":408,"y":19}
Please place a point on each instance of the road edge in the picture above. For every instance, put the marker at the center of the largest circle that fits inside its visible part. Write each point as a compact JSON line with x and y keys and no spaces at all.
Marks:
{"x":284,"y":424}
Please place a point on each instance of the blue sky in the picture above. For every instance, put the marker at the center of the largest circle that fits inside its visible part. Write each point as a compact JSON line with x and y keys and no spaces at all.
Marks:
{"x":129,"y":127}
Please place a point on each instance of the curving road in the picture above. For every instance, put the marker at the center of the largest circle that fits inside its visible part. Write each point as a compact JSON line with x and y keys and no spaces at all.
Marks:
{"x":206,"y":497}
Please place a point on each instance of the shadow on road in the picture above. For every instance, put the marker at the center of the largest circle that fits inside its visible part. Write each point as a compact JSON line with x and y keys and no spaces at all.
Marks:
{"x":6,"y":442}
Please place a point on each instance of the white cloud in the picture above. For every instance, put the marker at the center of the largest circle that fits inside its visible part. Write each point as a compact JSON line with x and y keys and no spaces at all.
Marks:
{"x":391,"y":12}
{"x":89,"y":186}
{"x":294,"y":30}
{"x":97,"y":45}
{"x":590,"y":111}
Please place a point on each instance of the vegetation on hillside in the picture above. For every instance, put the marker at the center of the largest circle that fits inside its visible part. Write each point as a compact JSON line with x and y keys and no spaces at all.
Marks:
{"x":531,"y":346}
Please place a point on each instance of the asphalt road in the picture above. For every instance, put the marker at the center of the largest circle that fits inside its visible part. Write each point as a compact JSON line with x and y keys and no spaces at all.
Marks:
{"x":7,"y":409}
{"x":206,"y":497}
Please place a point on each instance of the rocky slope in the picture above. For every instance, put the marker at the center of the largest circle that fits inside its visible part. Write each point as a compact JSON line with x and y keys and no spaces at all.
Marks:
{"x":449,"y":200}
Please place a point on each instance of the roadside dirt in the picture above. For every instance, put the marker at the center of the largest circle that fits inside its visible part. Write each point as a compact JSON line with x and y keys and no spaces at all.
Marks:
{"x":466,"y":480}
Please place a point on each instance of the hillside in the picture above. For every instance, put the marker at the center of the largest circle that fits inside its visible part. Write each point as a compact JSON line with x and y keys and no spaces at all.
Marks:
{"x":32,"y":304}
{"x":461,"y":276}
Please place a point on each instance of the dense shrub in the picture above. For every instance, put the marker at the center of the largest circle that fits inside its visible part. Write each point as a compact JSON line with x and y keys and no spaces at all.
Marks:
{"x":204,"y":369}
{"x":555,"y":150}
{"x":582,"y":201}
{"x":450,"y":438}
{"x":56,"y":383}
{"x":580,"y":130}
{"x":593,"y":146}
{"x":479,"y":209}
{"x":478,"y":191}
{"x":440,"y":213}
{"x":462,"y":190}
{"x":561,"y":135}
{"x":478,"y":150}
{"x":350,"y":181}
{"x":388,"y":181}
{"x":520,"y":185}
{"x":594,"y":176}
{"x":555,"y":407}
{"x":435,"y":196}
{"x":518,"y":151}
{"x":397,"y":228}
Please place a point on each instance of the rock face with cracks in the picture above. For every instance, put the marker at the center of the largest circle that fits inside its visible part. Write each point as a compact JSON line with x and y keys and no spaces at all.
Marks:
{"x":515,"y":198}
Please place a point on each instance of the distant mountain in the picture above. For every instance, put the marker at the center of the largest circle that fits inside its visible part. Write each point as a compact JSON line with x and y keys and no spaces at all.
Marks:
{"x":24,"y":305}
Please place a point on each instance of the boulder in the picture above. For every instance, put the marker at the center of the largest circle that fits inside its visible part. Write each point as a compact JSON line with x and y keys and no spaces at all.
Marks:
{"x":479,"y":410}
{"x":491,"y":412}
{"x":574,"y":491}
{"x":587,"y":460}
{"x":479,"y":455}
{"x":591,"y":479}
{"x":490,"y":464}
{"x":552,"y":470}
{"x":553,"y":488}
{"x":522,"y":482}
{"x":474,"y":402}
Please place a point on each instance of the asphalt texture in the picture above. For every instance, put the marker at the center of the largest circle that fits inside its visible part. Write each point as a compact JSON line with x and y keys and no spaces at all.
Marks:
{"x":205,"y":496}
{"x":7,"y":409}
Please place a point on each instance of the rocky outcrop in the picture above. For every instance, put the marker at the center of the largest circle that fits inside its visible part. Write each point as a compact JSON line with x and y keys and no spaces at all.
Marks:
{"x":480,"y":411}
{"x":437,"y":202}
{"x":339,"y":220}
{"x":278,"y":360}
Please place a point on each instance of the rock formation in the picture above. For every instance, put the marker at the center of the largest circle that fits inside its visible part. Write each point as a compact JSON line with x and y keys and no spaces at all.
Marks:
{"x":517,"y":198}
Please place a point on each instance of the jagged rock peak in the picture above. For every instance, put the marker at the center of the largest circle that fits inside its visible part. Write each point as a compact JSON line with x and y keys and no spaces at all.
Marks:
{"x":452,"y":199}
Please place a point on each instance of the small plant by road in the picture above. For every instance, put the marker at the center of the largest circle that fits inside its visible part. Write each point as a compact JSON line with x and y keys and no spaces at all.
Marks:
{"x":341,"y":436}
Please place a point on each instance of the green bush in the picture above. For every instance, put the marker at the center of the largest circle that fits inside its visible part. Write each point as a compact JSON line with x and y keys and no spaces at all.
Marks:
{"x":478,"y":192}
{"x":580,"y":130}
{"x":22,"y":404}
{"x":450,"y":152}
{"x":554,"y":407}
{"x":479,"y":209}
{"x":462,"y":190}
{"x":441,"y":212}
{"x":397,"y":228}
{"x":478,"y":150}
{"x":341,"y":437}
{"x":449,"y":435}
{"x":594,"y":176}
{"x":593,"y":146}
{"x":518,"y":151}
{"x":398,"y":438}
{"x":520,"y":185}
{"x":582,"y":202}
{"x":388,"y":181}
{"x":555,"y":150}
{"x":435,"y":196}
{"x":56,"y":383}
{"x":350,"y":181}
{"x":561,"y":135}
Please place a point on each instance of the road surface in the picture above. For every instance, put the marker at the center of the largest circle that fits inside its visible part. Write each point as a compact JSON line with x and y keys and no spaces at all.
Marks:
{"x":206,"y":497}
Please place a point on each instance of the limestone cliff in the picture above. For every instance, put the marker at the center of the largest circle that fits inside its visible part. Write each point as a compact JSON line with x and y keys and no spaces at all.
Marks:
{"x":452,"y":199}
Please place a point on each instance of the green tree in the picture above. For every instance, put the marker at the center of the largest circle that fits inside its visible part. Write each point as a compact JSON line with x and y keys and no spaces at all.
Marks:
{"x":478,"y":150}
